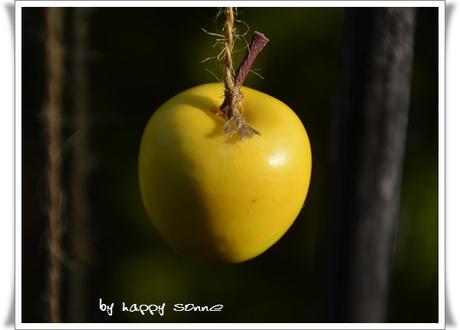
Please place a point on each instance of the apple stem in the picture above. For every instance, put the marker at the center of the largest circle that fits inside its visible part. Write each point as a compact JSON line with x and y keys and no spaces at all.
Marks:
{"x":258,"y":42}
{"x":232,"y":105}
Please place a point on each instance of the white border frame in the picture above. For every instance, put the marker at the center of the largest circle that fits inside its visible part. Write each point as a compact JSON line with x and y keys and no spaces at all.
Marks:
{"x":440,"y":4}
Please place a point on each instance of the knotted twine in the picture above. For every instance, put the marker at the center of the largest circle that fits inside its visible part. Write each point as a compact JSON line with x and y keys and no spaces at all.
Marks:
{"x":232,"y":106}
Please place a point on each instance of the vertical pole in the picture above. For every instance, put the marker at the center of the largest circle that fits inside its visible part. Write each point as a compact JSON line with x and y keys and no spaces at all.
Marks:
{"x":367,"y":156}
{"x":79,"y":248}
{"x":55,"y":71}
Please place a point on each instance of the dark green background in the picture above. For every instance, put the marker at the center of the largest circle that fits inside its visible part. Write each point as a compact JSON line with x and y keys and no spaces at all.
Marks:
{"x":140,"y":57}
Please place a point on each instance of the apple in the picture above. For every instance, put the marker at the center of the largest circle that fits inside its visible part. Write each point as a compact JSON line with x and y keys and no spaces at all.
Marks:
{"x":218,"y":197}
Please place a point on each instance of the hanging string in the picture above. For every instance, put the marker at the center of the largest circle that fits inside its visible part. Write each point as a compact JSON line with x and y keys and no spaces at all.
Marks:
{"x":228,"y":49}
{"x":55,"y":67}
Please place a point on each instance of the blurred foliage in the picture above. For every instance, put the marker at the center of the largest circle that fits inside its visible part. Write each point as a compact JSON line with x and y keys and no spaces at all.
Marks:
{"x":139,"y":58}
{"x":415,"y":277}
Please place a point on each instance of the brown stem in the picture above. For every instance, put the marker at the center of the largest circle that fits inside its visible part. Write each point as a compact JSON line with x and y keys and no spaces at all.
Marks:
{"x":234,"y":120}
{"x":259,"y":41}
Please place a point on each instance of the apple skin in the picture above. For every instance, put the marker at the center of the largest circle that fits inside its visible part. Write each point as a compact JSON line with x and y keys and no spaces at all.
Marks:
{"x":221,"y":198}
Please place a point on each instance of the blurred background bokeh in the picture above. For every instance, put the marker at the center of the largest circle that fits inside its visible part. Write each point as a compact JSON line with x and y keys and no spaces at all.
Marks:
{"x":137,"y":58}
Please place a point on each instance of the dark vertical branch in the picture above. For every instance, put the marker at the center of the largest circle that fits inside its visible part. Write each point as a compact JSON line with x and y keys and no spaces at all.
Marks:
{"x":79,"y":207}
{"x":55,"y":73}
{"x":368,"y":151}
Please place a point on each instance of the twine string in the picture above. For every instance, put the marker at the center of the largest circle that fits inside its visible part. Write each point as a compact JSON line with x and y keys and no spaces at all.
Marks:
{"x":228,"y":49}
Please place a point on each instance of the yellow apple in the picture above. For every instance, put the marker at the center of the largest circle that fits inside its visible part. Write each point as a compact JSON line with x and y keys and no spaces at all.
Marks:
{"x":218,"y":197}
